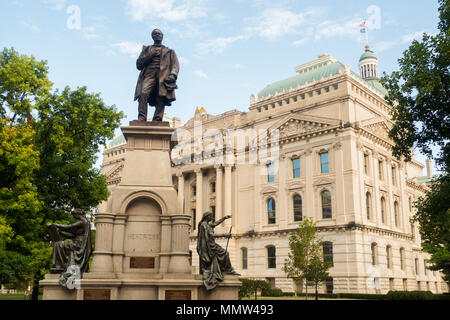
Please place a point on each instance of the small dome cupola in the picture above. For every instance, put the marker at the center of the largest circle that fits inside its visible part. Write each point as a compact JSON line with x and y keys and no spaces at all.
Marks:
{"x":368,"y":65}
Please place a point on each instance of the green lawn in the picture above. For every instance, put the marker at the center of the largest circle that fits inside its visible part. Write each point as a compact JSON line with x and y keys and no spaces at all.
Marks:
{"x":16,"y":296}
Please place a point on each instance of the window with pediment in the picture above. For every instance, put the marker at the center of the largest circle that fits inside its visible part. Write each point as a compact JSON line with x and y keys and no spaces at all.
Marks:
{"x":298,"y":214}
{"x":325,"y":197}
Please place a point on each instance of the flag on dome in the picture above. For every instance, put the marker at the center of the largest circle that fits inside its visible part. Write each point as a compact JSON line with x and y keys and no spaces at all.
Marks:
{"x":362,"y":25}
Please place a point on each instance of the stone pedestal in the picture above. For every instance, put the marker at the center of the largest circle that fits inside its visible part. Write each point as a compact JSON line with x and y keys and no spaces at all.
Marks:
{"x":142,"y":237}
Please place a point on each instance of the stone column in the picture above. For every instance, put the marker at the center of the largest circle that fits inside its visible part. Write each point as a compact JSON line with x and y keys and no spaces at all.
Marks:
{"x":180,"y":198}
{"x":179,"y":260}
{"x":199,"y":195}
{"x":227,"y":204}
{"x":118,"y":240}
{"x":219,"y":175}
{"x":166,"y":243}
{"x":102,"y":264}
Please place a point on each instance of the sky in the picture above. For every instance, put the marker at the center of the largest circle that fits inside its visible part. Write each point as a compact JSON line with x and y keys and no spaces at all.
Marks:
{"x":227,"y":49}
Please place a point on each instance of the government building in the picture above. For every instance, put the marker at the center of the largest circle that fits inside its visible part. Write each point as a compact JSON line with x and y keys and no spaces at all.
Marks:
{"x":330,"y":160}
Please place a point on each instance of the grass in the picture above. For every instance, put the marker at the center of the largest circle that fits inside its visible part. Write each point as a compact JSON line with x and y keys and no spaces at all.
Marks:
{"x":16,"y":296}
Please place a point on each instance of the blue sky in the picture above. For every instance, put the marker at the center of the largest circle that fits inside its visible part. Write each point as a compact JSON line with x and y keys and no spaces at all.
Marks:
{"x":227,"y":49}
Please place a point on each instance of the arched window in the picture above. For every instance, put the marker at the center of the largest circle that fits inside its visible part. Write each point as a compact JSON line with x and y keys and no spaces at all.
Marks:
{"x":271,"y":211}
{"x":389,"y":256}
{"x":402,"y":258}
{"x":328,"y":252}
{"x":383,"y":210}
{"x":244,"y":258}
{"x":271,"y":257}
{"x":396,"y":213}
{"x":374,"y":251}
{"x":298,"y":215}
{"x":326,"y":204}
{"x":368,"y":205}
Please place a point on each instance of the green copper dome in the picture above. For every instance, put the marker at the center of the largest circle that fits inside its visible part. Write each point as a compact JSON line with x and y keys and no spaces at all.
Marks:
{"x":367,"y":55}
{"x":301,"y":79}
{"x":117,"y":141}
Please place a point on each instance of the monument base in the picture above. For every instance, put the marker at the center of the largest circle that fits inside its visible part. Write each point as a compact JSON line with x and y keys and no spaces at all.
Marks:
{"x":140,"y":289}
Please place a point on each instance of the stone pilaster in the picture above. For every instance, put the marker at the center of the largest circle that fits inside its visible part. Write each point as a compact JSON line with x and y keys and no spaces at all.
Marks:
{"x":180,"y":198}
{"x":102,"y":264}
{"x":118,"y":238}
{"x":219,"y":190}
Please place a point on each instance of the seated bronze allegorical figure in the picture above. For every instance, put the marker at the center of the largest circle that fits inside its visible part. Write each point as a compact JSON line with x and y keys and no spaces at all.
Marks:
{"x":214,"y":260}
{"x":71,"y":258}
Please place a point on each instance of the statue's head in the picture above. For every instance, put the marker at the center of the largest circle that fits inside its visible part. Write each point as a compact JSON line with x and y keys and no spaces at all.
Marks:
{"x":77,"y":212}
{"x":207,"y":216}
{"x":157,"y":35}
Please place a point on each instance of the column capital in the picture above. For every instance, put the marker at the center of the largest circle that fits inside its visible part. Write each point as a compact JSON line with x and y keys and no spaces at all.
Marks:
{"x":198,"y":170}
{"x":218,"y":166}
{"x":180,"y":174}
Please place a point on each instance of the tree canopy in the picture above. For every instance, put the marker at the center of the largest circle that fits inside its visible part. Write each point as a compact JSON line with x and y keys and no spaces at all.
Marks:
{"x":49,"y":141}
{"x":420,"y":98}
{"x":305,"y":258}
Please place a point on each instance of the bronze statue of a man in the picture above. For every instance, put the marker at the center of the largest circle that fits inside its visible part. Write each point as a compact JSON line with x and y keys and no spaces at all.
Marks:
{"x":157,"y":81}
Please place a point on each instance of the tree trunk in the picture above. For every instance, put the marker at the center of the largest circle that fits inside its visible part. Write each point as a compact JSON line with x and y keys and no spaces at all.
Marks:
{"x":317,"y":293}
{"x":35,"y":292}
{"x":306,"y":290}
{"x":256,"y":293}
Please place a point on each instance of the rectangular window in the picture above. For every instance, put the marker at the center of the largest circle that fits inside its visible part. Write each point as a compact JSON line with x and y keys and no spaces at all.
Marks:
{"x":296,"y":167}
{"x":270,"y":173}
{"x":271,"y":257}
{"x":194,"y":191}
{"x":213,"y":210}
{"x":244,"y":258}
{"x":324,"y":164}
{"x":380,"y":169}
{"x":394,"y":176}
{"x":366,"y":164}
{"x":213,"y":187}
{"x":194,"y":219}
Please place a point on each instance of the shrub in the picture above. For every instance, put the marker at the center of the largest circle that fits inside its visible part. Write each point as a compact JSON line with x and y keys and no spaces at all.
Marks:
{"x":272,"y":292}
{"x":410,"y":295}
{"x":249,"y":286}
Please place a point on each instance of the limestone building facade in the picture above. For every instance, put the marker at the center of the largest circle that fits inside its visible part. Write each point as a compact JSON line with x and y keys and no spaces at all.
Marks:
{"x":333,"y":164}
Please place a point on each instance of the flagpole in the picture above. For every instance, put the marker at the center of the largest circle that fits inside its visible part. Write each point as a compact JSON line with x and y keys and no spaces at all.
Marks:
{"x":367,"y":35}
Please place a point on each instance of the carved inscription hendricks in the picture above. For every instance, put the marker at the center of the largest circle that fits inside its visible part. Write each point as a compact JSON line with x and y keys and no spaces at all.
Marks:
{"x":143,"y":236}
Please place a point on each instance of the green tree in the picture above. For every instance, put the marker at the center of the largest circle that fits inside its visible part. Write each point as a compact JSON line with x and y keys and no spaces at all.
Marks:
{"x":420,"y":99}
{"x":48,"y":147}
{"x":305,"y":258}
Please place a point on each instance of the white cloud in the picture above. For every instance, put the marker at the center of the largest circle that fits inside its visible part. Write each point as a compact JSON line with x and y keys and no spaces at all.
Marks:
{"x":218,"y":45}
{"x":200,"y":74}
{"x":55,"y":4}
{"x":130,"y":48}
{"x":405,"y":39}
{"x":34,"y":28}
{"x":89,"y":33}
{"x":183,"y":60}
{"x":412,"y":36}
{"x":170,"y":10}
{"x":300,"y":42}
{"x":385,"y":45}
{"x":330,"y":29}
{"x":273,"y":23}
